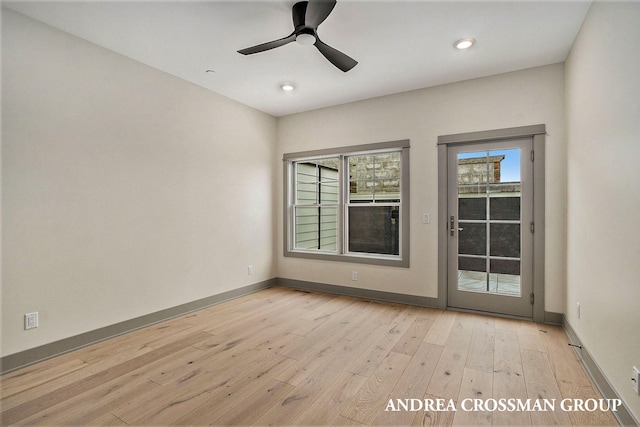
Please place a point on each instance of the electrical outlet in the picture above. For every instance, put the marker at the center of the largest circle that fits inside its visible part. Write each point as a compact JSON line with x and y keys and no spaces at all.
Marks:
{"x":578,"y":309}
{"x":354,"y":276}
{"x":250,"y":270}
{"x":636,"y":380}
{"x":31,"y":320}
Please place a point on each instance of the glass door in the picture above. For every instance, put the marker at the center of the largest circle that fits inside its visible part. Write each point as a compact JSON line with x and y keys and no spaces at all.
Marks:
{"x":490,"y":220}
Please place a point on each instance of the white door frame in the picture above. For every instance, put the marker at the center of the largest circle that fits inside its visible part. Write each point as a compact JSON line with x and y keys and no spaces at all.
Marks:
{"x":537,"y":133}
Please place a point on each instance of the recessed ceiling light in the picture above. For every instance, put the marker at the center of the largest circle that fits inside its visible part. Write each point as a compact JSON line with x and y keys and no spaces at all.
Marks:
{"x":464,"y":43}
{"x":287,"y":87}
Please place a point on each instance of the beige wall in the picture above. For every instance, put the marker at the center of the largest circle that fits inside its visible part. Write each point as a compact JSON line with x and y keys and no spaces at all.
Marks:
{"x":603,"y":206}
{"x":520,"y":98}
{"x":125,"y":190}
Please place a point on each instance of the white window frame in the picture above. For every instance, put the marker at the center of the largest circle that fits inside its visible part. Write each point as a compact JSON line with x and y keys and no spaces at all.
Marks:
{"x":342,"y":253}
{"x":319,"y":204}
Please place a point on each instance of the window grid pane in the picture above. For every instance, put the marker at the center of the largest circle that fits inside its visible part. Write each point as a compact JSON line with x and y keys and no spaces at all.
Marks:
{"x":374,"y":229}
{"x":375,"y":177}
{"x":373,"y":204}
{"x":316,"y":228}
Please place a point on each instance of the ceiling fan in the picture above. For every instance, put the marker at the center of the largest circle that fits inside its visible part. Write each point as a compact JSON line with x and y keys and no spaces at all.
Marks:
{"x":307,"y":15}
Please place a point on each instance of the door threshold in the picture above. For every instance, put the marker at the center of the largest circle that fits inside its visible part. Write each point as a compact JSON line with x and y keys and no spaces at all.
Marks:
{"x":488,"y":313}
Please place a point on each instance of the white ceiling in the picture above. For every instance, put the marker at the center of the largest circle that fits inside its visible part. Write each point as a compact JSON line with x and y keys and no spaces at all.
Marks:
{"x":400,"y":45}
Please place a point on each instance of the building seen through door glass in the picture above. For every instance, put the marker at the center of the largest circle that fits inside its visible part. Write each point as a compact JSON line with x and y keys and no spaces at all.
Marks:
{"x":489,"y":202}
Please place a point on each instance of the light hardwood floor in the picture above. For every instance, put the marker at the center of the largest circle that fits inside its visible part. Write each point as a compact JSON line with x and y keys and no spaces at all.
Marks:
{"x":286,"y":357}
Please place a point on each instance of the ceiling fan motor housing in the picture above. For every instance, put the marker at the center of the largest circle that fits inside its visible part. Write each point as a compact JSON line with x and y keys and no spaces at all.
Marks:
{"x":304,"y":35}
{"x":305,"y":21}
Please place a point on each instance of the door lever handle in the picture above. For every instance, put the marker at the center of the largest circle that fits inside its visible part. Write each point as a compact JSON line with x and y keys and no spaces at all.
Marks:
{"x":452,"y":226}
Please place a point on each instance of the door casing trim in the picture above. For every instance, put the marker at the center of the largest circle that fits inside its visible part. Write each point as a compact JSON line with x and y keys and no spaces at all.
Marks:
{"x":537,"y":133}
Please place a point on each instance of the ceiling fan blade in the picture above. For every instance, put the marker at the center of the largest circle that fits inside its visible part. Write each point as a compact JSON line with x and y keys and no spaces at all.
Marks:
{"x":337,"y":58}
{"x":317,"y":12}
{"x":269,"y":45}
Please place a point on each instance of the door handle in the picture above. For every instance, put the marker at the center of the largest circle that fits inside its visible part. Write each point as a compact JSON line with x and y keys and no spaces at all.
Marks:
{"x":452,"y":226}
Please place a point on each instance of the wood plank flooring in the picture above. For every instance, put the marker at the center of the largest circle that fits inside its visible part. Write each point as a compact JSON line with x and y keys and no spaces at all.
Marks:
{"x":286,"y":357}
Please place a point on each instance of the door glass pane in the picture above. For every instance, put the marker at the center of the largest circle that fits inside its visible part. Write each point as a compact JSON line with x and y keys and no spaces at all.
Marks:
{"x":505,"y":277}
{"x":501,"y":266}
{"x":505,"y":208}
{"x":472,"y":263}
{"x":489,"y":227}
{"x":472,"y":239}
{"x":505,"y":240}
{"x":472,"y":208}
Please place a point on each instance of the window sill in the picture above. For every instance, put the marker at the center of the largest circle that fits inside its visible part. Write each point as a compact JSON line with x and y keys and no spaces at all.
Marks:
{"x":388,"y":261}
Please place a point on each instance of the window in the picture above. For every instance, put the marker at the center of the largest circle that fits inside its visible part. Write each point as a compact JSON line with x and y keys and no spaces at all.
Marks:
{"x":349,"y":204}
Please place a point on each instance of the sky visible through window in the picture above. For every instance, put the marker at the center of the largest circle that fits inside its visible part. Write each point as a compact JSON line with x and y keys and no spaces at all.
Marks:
{"x":510,"y":166}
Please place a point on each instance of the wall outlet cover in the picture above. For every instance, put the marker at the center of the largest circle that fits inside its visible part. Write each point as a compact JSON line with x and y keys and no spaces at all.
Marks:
{"x":31,"y":320}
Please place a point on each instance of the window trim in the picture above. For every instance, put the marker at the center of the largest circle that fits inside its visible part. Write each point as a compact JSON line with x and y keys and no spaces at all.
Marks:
{"x":342,"y":255}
